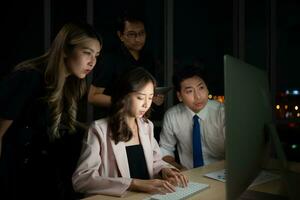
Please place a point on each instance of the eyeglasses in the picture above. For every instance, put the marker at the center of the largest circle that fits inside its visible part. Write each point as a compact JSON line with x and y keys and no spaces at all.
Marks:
{"x":133,"y":35}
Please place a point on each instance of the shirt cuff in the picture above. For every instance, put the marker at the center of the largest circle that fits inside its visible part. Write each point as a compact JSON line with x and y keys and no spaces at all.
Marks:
{"x":165,"y":152}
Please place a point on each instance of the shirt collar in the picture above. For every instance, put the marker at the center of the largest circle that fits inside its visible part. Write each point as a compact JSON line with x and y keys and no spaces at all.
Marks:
{"x":202,"y":114}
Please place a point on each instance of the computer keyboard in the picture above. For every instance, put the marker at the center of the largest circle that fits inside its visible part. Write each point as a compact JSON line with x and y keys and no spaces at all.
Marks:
{"x":181,"y":193}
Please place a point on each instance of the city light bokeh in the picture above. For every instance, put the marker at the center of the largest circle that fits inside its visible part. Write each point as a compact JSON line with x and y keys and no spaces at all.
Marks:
{"x":287,"y":105}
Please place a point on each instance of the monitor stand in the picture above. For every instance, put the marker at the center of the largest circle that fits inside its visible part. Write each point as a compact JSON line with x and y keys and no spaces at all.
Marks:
{"x":255,"y":195}
{"x":290,"y":178}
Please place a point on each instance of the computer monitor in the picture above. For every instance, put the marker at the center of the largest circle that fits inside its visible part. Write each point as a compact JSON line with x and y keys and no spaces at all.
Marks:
{"x":247,"y":110}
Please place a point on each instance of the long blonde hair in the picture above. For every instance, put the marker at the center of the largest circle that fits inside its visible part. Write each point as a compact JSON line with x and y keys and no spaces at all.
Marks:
{"x":63,"y":92}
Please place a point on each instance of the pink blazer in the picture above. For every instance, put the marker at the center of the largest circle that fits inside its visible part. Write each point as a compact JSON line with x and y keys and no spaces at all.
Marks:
{"x":103,"y":166}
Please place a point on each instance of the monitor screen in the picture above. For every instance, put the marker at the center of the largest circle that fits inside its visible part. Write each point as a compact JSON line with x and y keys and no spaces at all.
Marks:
{"x":247,"y":111}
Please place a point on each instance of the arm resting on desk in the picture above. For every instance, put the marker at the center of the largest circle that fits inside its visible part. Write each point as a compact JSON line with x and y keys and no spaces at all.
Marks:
{"x":171,"y":160}
{"x":97,"y":98}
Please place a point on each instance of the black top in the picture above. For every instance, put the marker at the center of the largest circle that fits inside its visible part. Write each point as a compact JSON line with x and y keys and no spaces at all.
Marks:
{"x":32,"y":166}
{"x":137,"y":163}
{"x":111,"y":66}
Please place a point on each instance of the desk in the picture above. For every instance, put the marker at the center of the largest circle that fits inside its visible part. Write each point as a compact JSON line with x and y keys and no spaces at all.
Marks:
{"x":216,"y":190}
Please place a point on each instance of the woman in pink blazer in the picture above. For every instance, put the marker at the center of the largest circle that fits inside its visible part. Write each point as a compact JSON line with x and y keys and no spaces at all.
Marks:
{"x":120,"y":152}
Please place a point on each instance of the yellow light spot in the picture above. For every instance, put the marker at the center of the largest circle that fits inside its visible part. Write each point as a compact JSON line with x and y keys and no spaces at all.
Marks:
{"x":286,"y":107}
{"x":277,"y":107}
{"x":296,"y":108}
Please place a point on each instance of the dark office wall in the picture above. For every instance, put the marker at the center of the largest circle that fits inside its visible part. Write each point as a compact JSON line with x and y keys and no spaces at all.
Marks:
{"x":288,"y":17}
{"x":287,"y":41}
{"x":65,"y":11}
{"x":202,"y":35}
{"x":256,"y":31}
{"x":21,"y":33}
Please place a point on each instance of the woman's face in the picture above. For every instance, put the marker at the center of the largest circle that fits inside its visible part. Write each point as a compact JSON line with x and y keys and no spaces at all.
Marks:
{"x":141,"y":100}
{"x":83,"y":58}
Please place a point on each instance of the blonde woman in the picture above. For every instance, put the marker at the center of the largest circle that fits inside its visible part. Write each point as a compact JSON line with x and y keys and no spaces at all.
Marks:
{"x":38,"y":108}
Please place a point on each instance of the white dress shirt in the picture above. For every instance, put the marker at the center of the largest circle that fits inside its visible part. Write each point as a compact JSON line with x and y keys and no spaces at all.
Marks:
{"x":177,"y":130}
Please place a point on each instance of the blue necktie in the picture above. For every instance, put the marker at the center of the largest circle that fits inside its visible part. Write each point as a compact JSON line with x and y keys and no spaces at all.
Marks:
{"x":197,"y":147}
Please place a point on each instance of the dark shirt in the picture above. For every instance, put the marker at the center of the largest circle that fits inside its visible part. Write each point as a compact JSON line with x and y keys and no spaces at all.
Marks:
{"x":137,"y":163}
{"x":32,"y":166}
{"x":111,"y":66}
{"x":115,"y":63}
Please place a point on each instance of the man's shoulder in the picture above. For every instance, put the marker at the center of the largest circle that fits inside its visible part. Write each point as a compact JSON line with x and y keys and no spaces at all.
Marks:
{"x":213,"y":104}
{"x":147,"y":54}
{"x":176,"y":110}
{"x":117,"y":56}
{"x":114,"y":61}
{"x":215,"y":108}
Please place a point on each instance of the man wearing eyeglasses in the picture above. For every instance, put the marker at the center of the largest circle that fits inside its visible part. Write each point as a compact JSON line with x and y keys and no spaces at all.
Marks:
{"x":130,"y":53}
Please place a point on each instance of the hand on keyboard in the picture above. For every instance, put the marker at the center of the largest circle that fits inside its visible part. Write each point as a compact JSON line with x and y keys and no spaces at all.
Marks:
{"x":181,"y":192}
{"x":153,"y":186}
{"x":174,"y":176}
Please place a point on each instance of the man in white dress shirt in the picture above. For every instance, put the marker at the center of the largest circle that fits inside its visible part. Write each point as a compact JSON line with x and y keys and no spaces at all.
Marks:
{"x":177,"y":128}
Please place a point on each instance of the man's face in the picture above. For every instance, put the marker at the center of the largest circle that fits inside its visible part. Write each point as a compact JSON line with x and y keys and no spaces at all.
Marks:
{"x":193,"y":93}
{"x":134,"y":36}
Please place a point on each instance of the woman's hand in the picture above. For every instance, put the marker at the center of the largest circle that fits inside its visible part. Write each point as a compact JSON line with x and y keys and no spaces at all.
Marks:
{"x":153,"y":186}
{"x":174,"y":176}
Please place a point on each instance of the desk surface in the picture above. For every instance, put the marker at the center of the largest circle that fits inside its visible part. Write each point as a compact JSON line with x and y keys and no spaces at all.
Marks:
{"x":216,"y":190}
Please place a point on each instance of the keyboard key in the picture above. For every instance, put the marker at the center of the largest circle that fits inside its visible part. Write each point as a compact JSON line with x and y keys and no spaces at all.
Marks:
{"x":181,"y":193}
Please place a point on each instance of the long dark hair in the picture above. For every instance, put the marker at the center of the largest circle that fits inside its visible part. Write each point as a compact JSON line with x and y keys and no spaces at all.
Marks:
{"x":132,"y":81}
{"x":62,"y":93}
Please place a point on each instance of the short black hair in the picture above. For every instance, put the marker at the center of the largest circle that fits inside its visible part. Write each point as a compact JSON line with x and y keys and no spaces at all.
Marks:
{"x":131,"y":16}
{"x":186,"y":72}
